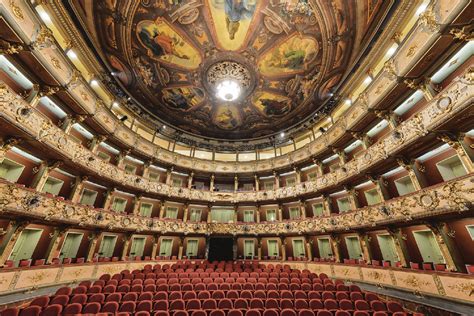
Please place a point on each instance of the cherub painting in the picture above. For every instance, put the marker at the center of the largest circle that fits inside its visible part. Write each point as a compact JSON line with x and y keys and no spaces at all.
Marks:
{"x":226,"y":118}
{"x":292,"y":56}
{"x":165,"y":44}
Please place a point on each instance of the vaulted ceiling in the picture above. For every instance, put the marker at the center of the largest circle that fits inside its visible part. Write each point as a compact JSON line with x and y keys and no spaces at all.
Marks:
{"x":288,"y":56}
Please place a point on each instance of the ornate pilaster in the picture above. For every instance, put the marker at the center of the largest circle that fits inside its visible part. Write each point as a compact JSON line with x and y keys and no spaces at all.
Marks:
{"x":42,"y":173}
{"x":283,"y":249}
{"x":365,"y":246}
{"x":400,"y":245}
{"x":126,"y":245}
{"x":444,"y":237}
{"x":257,"y":183}
{"x":69,"y":121}
{"x":154,"y":248}
{"x":327,"y":205}
{"x":280,"y":212}
{"x":190,"y":180}
{"x":309,"y":249}
{"x":303,"y":209}
{"x":392,"y":118}
{"x":277,"y":179}
{"x":108,"y":198}
{"x":319,"y":166}
{"x":136,"y":205}
{"x":298,"y":174}
{"x":364,"y":138}
{"x":236,"y":183}
{"x":6,"y":145}
{"x":464,"y":151}
{"x":95,"y":143}
{"x":121,"y":157}
{"x":76,"y":191}
{"x":352,"y":195}
{"x":211,"y":185}
{"x":186,"y":212}
{"x":414,"y":172}
{"x":381,"y":186}
{"x":93,"y":239}
{"x":336,"y":248}
{"x":162,"y":209}
{"x":341,"y":154}
{"x":13,"y":231}
{"x":428,"y":88}
{"x":181,"y":248}
{"x":259,"y":248}
{"x":55,"y":244}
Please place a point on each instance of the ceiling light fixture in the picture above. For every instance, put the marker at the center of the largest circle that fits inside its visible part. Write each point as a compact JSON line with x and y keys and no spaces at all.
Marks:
{"x":368,"y":80}
{"x":71,"y":54}
{"x":94,"y":82}
{"x":282,"y":134}
{"x":348,"y":101}
{"x":421,"y":8}
{"x":228,"y":90}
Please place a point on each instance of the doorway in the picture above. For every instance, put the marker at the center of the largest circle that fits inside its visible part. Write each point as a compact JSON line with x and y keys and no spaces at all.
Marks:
{"x":221,"y":249}
{"x":137,"y":247}
{"x":25,"y":245}
{"x":71,"y":245}
{"x":107,"y":246}
{"x":428,"y":246}
{"x":387,"y":247}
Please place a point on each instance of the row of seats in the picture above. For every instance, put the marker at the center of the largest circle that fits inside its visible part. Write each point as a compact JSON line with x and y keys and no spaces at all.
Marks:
{"x":142,"y":291}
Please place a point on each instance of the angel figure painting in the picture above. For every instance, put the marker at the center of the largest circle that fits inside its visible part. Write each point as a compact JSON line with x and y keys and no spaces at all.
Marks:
{"x":271,"y":104}
{"x":183,"y":98}
{"x":292,"y":56}
{"x":233,"y":16}
{"x":164,"y":44}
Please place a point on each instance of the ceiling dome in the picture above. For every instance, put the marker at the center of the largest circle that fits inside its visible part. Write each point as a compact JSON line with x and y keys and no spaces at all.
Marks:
{"x":282,"y":58}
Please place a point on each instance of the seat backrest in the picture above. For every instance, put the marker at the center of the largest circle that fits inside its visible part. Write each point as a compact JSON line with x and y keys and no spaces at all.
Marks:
{"x":288,"y":312}
{"x":94,"y":308}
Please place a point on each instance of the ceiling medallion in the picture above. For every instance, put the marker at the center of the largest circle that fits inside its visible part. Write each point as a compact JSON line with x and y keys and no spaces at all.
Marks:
{"x":228,"y":80}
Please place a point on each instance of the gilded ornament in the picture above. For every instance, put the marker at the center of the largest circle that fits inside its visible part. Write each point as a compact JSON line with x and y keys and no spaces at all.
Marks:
{"x":16,"y":10}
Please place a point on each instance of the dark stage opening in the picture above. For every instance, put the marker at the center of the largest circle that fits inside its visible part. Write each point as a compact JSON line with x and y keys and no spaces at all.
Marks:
{"x":221,"y":249}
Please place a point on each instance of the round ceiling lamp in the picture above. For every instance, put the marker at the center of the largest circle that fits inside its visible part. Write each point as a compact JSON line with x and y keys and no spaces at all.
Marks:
{"x":228,"y":90}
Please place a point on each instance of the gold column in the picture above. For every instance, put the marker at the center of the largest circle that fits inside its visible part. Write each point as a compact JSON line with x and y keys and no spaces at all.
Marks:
{"x":136,"y":205}
{"x":400,"y":246}
{"x":277,"y":179}
{"x":190,"y":179}
{"x":364,"y":138}
{"x":146,"y":169}
{"x":42,"y":174}
{"x":258,"y":214}
{"x":309,"y":250}
{"x":429,"y":89}
{"x":259,"y":249}
{"x":464,"y":151}
{"x":341,"y":154}
{"x":257,"y":183}
{"x":93,"y":239}
{"x":336,"y":249}
{"x":121,"y":157}
{"x":327,"y":205}
{"x":280,"y":212}
{"x":381,"y":186}
{"x":69,"y":121}
{"x":13,"y":231}
{"x":319,"y":166}
{"x":364,"y":244}
{"x":283,"y":249}
{"x":108,"y":198}
{"x":95,"y":143}
{"x":181,"y":248}
{"x":298,"y":174}
{"x":186,"y":212}
{"x":6,"y":145}
{"x":75,"y":195}
{"x":444,"y":237}
{"x":154,"y":249}
{"x":162,"y":209}
{"x":126,"y":245}
{"x":390,"y":117}
{"x":55,"y":245}
{"x":211,"y":185}
{"x":352,"y":197}
{"x":303,"y":209}
{"x":413,"y":172}
{"x":236,"y":183}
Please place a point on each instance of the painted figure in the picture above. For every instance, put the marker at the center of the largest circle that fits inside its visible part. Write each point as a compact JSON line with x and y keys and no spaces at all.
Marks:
{"x":235,"y":11}
{"x":226,"y":119}
{"x":161,"y":44}
{"x":274,"y":107}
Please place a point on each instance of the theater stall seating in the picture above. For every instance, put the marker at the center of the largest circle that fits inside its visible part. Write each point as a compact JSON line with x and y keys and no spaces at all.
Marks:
{"x":206,"y":288}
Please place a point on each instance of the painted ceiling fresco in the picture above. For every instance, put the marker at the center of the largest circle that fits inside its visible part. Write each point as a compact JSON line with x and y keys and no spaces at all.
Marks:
{"x":288,"y":54}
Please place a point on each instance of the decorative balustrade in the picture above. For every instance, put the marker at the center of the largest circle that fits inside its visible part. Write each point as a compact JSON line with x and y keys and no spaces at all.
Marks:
{"x":30,"y":29}
{"x":455,"y":99}
{"x":450,"y":197}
